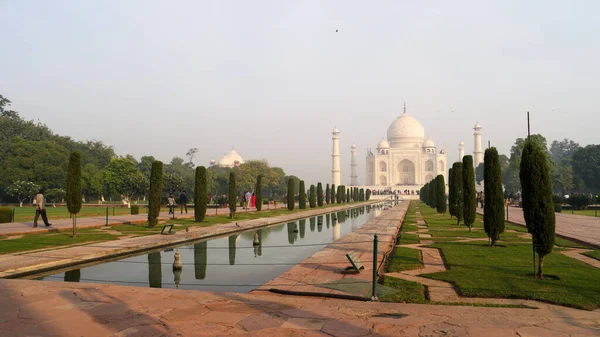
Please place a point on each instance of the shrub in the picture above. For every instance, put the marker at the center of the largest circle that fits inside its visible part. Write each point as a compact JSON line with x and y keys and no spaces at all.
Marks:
{"x":290,"y":195}
{"x":200,"y":194}
{"x":232,"y":195}
{"x":538,"y":209}
{"x":155,"y":194}
{"x":469,"y":195}
{"x":493,"y":218}
{"x":368,"y":195}
{"x":319,"y":195}
{"x":302,"y":196}
{"x":259,"y":193}
{"x":5,"y":214}
{"x":327,"y":194}
{"x":578,"y":201}
{"x":312,"y":198}
{"x":558,"y":199}
{"x":135,"y":209}
{"x":557,"y":207}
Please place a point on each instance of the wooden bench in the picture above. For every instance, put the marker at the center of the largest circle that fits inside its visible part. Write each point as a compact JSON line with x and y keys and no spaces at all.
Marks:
{"x":357,"y":264}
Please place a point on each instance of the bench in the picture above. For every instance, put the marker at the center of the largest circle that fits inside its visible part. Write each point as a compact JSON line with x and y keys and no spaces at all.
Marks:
{"x":357,"y":264}
{"x":168,"y":228}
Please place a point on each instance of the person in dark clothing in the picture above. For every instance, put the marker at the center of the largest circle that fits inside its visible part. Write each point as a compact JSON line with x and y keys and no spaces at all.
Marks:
{"x":40,"y":209}
{"x":183,"y":202}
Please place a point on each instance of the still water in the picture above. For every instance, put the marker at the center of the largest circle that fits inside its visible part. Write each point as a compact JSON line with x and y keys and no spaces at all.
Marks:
{"x":233,"y":263}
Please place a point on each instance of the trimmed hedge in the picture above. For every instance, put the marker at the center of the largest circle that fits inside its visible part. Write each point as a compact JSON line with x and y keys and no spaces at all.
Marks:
{"x":5,"y":214}
{"x":135,"y":209}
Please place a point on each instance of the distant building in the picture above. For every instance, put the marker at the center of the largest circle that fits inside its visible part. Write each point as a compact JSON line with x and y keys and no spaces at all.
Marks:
{"x":231,"y":159}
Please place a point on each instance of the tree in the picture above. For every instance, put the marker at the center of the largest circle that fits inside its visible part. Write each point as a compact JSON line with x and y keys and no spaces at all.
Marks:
{"x":347,"y":194}
{"x":291,"y":196}
{"x":191,"y":153}
{"x":538,"y":208}
{"x":368,"y":195}
{"x":433,"y":194}
{"x":156,"y":187}
{"x":74,"y":188}
{"x":361,"y":194}
{"x":136,"y":184}
{"x":123,"y":178}
{"x":451,"y":201}
{"x":247,"y":173}
{"x":469,"y":194}
{"x":145,"y":165}
{"x":493,"y":213}
{"x":562,"y":151}
{"x":92,"y":179}
{"x":327,"y":194}
{"x":586,"y":166}
{"x":200,"y":194}
{"x":259,"y":193}
{"x":173,"y":183}
{"x":479,"y":173}
{"x":55,"y":195}
{"x":320,"y":195}
{"x":511,"y":174}
{"x":457,"y":191}
{"x":302,"y":196}
{"x":312,"y":198}
{"x":333,"y":194}
{"x":340,"y":194}
{"x":232,"y":195}
{"x":22,"y":190}
{"x":441,"y":194}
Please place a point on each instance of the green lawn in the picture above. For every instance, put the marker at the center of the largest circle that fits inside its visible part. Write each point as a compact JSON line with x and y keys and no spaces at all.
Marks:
{"x":51,"y":240}
{"x":506,"y":271}
{"x":405,"y":259}
{"x":406,"y":239}
{"x":595,"y":254}
{"x":27,"y":213}
{"x":406,"y":291}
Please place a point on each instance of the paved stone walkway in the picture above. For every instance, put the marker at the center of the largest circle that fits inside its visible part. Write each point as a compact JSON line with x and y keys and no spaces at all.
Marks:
{"x":577,"y":227}
{"x":20,"y":264}
{"x":577,"y":254}
{"x":36,"y":308}
{"x":326,"y":265}
{"x":20,"y":228}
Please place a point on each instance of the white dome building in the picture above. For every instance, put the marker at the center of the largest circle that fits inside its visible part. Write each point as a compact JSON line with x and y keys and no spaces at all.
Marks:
{"x":231,"y":159}
{"x":407,"y":160}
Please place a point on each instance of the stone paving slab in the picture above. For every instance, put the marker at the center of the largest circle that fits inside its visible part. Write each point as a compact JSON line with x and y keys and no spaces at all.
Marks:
{"x":38,"y":308}
{"x":581,"y":228}
{"x":23,"y":263}
{"x":326,"y":265}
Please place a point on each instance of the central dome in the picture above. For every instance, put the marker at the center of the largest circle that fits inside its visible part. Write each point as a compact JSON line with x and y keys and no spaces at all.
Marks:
{"x":405,"y":129}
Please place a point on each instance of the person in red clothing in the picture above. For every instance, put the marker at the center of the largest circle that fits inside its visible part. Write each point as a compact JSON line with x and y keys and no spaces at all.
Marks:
{"x":253,"y":200}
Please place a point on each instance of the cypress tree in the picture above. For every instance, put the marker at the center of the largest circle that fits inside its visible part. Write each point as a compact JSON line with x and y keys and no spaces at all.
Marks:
{"x":200,"y":194}
{"x":155,"y":194}
{"x":339,"y":198}
{"x":361,"y":194}
{"x":493,"y":208}
{"x":469,"y":195}
{"x":368,"y":195}
{"x":320,"y":195}
{"x":302,"y":196}
{"x":433,"y":191}
{"x":451,"y":201}
{"x":232,"y":195}
{"x":259,"y":193}
{"x":333,"y":194}
{"x":291,"y":195}
{"x":348,"y":195}
{"x":441,"y":194}
{"x":74,"y":188}
{"x":312,"y":198}
{"x":457,"y":191}
{"x":327,"y":194}
{"x":538,"y":209}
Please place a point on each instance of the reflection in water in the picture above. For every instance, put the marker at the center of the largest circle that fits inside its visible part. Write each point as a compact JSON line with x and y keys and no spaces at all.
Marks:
{"x":291,"y":226}
{"x":258,"y":247}
{"x":200,"y":258}
{"x":320,"y":223}
{"x":302,"y":228}
{"x":232,"y":242}
{"x":177,"y":277}
{"x":336,"y":231}
{"x":154,"y":270}
{"x":327,"y":217}
{"x":341,"y":216}
{"x":73,"y":275}
{"x":312,"y":224}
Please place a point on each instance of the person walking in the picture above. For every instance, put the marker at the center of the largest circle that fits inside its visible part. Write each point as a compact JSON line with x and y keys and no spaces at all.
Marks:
{"x":40,"y":209}
{"x":171,"y":202}
{"x":247,"y":197}
{"x":183,"y":202}
{"x":253,"y":200}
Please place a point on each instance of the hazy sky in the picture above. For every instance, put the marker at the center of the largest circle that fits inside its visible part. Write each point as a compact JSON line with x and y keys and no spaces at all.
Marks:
{"x":272,"y":78}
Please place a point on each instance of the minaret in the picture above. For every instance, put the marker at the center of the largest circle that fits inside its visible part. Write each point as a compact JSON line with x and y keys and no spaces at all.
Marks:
{"x":335,"y":156}
{"x":461,"y":150}
{"x":477,"y":152}
{"x":353,"y":175}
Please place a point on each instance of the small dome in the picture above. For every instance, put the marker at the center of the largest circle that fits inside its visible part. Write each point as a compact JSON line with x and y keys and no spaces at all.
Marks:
{"x":428,"y":143}
{"x":383,"y":144}
{"x":212,"y":162}
{"x":405,"y":129}
{"x":461,"y":143}
{"x":336,"y":131}
{"x":477,"y":126}
{"x":231,"y":159}
{"x":353,"y":146}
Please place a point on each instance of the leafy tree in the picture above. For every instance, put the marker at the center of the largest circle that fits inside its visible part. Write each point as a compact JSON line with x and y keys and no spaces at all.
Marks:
{"x":538,"y":208}
{"x":22,"y":190}
{"x":134,"y":185}
{"x":191,"y":153}
{"x":511,"y":174}
{"x":312,"y":198}
{"x":493,"y":218}
{"x":458,"y":191}
{"x":74,"y":188}
{"x":291,"y":195}
{"x":469,"y":193}
{"x":320,"y":195}
{"x":156,"y":187}
{"x":479,"y":173}
{"x":562,"y":151}
{"x":327,"y":194}
{"x":5,"y":102}
{"x":232,"y":195}
{"x":145,"y":165}
{"x":200,"y":194}
{"x":259,"y":192}
{"x":55,"y":194}
{"x":586,"y":165}
{"x":92,"y":179}
{"x":173,"y":183}
{"x":441,"y":194}
{"x":247,"y":172}
{"x":302,"y":196}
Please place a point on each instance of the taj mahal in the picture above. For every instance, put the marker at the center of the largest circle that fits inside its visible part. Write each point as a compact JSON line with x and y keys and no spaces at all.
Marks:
{"x":406,"y":161}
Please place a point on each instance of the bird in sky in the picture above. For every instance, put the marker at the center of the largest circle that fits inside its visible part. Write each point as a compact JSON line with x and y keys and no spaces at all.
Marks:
{"x":336,"y":30}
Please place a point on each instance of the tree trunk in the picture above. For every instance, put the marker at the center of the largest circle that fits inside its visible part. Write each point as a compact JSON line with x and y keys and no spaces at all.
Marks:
{"x":541,"y":266}
{"x":74,"y":225}
{"x":20,"y":203}
{"x":470,"y":227}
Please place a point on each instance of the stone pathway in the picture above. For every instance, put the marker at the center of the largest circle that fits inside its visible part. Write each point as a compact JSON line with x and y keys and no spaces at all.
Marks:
{"x":37,"y":308}
{"x":577,"y":254}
